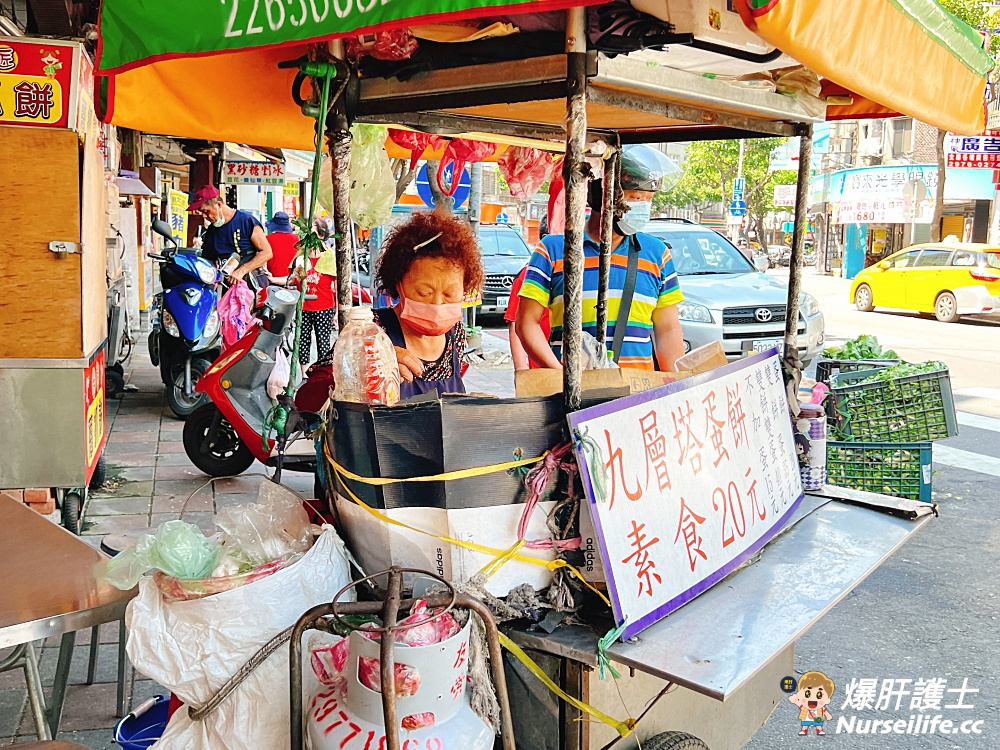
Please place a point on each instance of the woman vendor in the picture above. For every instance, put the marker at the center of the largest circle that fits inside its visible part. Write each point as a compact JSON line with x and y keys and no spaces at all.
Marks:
{"x":428,"y":264}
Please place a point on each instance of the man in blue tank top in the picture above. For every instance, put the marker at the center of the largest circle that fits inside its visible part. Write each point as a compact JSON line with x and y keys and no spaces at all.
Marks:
{"x":231,"y":231}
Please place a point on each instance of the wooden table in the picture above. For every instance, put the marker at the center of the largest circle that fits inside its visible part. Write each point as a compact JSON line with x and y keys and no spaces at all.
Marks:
{"x":48,"y":589}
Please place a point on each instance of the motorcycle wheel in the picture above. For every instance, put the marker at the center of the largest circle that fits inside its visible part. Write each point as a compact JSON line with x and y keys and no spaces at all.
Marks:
{"x":227,"y":455}
{"x":179,"y":402}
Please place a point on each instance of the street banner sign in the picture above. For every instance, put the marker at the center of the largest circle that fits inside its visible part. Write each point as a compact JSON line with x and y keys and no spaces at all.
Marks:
{"x":784,"y":195}
{"x":179,"y":216}
{"x":686,"y":482}
{"x":977,"y":152}
{"x":253,"y":173}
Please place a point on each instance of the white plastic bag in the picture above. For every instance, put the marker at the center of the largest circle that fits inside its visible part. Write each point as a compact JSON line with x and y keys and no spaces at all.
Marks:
{"x":373,"y":187}
{"x":193,"y":647}
{"x":280,"y":373}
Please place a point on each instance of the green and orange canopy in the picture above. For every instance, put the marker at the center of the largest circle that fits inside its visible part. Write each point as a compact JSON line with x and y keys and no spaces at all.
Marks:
{"x":204,"y":69}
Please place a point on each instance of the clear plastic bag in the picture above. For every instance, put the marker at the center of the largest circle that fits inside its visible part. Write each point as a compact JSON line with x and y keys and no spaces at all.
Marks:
{"x":176,"y":548}
{"x":373,"y":187}
{"x":280,"y":374}
{"x":595,"y":356}
{"x":365,"y":369}
{"x":275,"y":527}
{"x":525,"y":169}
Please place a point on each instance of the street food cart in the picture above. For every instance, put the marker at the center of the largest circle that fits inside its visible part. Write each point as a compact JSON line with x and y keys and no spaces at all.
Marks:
{"x":54,"y":311}
{"x":727,"y":649}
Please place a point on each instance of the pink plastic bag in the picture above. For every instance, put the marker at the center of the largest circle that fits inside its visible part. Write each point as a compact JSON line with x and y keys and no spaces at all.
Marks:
{"x":234,"y":311}
{"x":525,"y":170}
{"x":415,"y":142}
{"x":395,"y":44}
{"x":429,"y":633}
{"x":557,"y":201}
{"x":461,"y":151}
{"x":405,"y":677}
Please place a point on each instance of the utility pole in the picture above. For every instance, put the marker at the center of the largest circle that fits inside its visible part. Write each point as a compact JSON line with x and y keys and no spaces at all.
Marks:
{"x":735,"y":226}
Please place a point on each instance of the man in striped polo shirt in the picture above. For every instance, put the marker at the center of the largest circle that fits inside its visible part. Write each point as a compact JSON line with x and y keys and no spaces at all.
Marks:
{"x":653,"y":327}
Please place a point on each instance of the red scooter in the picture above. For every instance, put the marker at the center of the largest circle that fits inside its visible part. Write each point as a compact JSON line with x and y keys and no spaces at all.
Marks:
{"x":224,"y":438}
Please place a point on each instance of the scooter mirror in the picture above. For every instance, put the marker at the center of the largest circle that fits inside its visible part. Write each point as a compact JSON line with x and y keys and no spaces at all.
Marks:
{"x":163,"y":229}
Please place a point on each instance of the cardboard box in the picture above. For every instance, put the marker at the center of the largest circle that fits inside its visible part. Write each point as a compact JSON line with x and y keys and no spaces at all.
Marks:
{"x":545,"y":382}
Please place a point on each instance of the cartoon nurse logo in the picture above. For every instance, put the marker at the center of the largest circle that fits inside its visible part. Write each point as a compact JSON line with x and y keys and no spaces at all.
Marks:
{"x":812,"y":694}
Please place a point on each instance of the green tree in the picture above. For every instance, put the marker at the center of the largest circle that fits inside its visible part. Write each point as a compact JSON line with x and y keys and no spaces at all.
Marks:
{"x":978,"y":15}
{"x":710,"y":168}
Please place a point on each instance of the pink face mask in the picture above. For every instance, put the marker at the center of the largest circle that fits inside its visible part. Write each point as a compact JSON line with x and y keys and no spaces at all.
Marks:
{"x":429,"y":319}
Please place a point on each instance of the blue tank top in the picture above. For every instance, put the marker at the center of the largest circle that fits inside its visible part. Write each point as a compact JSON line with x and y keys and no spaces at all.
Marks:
{"x":387,"y":318}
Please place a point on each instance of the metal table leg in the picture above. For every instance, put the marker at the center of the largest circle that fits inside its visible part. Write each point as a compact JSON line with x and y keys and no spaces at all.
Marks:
{"x":54,"y":712}
{"x":95,"y":642}
{"x":126,"y":674}
{"x":25,"y":657}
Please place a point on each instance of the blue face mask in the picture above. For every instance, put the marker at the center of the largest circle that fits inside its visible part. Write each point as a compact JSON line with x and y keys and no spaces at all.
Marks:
{"x":636,"y":218}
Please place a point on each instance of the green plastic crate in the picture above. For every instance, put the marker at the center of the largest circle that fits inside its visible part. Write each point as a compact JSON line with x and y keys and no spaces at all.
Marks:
{"x":914,"y":408}
{"x":897,"y":469}
{"x":827,"y":368}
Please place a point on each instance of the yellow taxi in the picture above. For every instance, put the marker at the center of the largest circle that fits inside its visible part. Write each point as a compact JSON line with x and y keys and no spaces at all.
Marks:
{"x":947,"y":279}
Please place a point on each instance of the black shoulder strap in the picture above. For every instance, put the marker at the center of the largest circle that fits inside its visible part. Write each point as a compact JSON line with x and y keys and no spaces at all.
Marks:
{"x":625,"y":306}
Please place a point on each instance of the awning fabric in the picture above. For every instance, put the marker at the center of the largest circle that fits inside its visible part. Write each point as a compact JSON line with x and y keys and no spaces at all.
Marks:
{"x":138,"y":32}
{"x":909,"y":56}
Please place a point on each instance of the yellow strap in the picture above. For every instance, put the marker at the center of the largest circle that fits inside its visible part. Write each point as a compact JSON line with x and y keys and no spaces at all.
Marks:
{"x":624,"y":728}
{"x":475,"y":471}
{"x":508,"y":554}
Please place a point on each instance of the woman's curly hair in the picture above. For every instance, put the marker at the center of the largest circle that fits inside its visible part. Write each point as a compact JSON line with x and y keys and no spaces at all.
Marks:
{"x":457,"y":244}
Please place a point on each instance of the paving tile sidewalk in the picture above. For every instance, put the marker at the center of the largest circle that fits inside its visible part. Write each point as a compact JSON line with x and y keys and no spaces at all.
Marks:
{"x":150,"y":480}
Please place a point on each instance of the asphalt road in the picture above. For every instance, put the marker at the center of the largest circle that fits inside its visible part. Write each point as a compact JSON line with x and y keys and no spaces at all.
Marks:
{"x":933,"y":609}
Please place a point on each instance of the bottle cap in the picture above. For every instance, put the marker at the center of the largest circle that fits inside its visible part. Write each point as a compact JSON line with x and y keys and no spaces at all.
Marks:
{"x":361,"y":313}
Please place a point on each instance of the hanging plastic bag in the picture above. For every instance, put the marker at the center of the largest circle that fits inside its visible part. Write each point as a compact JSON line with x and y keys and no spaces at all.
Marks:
{"x":525,"y":170}
{"x":177,"y":548}
{"x":460,"y":151}
{"x":327,"y":263}
{"x":277,"y":381}
{"x":395,"y":44}
{"x":415,"y":142}
{"x":193,"y":647}
{"x":557,"y":200}
{"x":324,"y":193}
{"x":234,"y":310}
{"x":373,"y":187}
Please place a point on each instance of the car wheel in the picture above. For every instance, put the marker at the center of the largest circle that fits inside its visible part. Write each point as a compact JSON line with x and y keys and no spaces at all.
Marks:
{"x":863,"y":298}
{"x":946,"y":308}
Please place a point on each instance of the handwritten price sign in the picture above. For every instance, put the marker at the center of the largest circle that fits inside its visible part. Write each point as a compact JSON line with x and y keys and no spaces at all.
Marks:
{"x":686,"y":482}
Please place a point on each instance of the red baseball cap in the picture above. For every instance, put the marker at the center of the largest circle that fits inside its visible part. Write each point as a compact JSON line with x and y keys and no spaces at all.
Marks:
{"x":202,"y":196}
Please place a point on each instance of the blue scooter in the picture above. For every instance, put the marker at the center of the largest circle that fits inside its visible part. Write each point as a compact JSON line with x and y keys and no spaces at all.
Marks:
{"x":185,"y":335}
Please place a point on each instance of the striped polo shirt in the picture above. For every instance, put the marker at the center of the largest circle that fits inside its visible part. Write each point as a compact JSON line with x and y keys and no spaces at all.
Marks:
{"x":656,"y":286}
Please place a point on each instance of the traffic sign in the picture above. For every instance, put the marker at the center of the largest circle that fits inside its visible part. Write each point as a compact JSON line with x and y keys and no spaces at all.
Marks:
{"x":738,"y":208}
{"x":461,"y":192}
{"x":502,"y":218}
{"x":739,"y":188}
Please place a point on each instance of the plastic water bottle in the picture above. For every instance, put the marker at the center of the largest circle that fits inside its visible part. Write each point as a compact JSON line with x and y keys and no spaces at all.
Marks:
{"x":364,"y":362}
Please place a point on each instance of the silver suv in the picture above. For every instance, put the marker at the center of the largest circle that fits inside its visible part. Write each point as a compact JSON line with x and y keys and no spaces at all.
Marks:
{"x":727,"y":299}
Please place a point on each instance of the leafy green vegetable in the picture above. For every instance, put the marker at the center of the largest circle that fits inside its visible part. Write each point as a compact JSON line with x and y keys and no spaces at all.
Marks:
{"x":864,"y":346}
{"x":889,"y":374}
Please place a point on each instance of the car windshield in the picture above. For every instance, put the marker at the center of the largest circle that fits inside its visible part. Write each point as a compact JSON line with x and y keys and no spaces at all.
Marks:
{"x":701,"y":252}
{"x":507,"y":243}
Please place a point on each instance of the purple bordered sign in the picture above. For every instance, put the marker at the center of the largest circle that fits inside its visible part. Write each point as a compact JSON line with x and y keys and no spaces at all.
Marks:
{"x":686,"y":482}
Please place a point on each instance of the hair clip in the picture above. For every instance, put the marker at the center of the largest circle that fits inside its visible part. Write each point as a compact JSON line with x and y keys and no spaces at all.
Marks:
{"x":427,"y":242}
